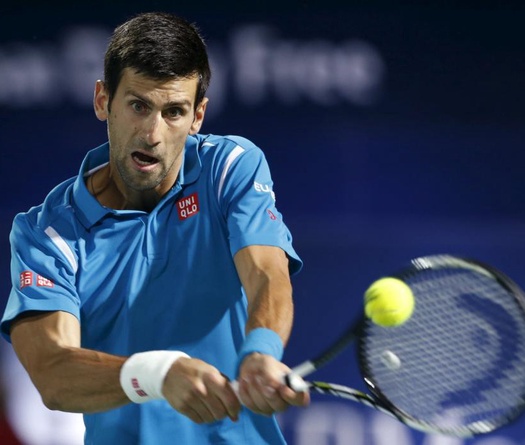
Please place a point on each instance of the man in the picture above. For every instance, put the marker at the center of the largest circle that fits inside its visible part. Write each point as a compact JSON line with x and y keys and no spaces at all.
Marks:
{"x":162,"y":271}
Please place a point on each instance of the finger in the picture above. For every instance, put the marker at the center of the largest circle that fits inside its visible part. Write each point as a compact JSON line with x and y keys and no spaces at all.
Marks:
{"x":191,"y":413}
{"x":222,"y":400}
{"x":230,"y":401}
{"x":219,"y":409}
{"x":294,"y":398}
{"x":192,"y":403}
{"x":251,"y":398}
{"x":203,"y":410}
{"x":276,"y":403}
{"x":266,"y":398}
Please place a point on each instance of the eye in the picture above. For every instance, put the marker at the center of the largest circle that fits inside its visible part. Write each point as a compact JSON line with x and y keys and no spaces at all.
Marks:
{"x":173,"y":113}
{"x":138,"y":106}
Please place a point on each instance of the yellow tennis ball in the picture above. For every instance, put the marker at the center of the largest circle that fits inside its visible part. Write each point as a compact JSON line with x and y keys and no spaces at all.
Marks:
{"x":389,"y":302}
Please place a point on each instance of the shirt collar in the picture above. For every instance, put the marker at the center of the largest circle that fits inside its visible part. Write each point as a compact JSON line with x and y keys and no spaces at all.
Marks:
{"x":191,"y":165}
{"x":89,"y":210}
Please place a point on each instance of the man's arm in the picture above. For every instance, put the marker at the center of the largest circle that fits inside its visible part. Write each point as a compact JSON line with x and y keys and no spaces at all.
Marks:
{"x":75,"y":379}
{"x":263,"y":271}
{"x":68,"y":377}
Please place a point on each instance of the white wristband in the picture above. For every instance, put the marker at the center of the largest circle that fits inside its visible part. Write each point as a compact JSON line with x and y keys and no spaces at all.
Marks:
{"x":142,"y":375}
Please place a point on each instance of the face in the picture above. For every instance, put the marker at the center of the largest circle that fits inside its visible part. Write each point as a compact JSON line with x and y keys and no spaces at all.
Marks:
{"x":148,"y":123}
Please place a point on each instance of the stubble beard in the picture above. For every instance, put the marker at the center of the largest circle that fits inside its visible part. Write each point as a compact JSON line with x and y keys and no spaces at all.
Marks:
{"x":140,"y":182}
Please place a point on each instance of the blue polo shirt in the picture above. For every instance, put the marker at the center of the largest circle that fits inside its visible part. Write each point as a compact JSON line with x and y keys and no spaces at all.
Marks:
{"x":166,"y":279}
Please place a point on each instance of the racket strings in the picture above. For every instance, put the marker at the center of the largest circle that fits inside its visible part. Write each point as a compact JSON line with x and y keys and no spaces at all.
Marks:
{"x":460,"y":359}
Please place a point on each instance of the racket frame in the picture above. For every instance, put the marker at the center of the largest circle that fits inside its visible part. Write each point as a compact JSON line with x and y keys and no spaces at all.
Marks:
{"x":377,"y":399}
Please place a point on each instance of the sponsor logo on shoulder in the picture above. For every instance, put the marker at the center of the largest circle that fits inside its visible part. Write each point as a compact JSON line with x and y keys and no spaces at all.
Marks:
{"x":27,"y":278}
{"x":263,"y":188}
{"x":43,"y":281}
{"x":271,"y":215}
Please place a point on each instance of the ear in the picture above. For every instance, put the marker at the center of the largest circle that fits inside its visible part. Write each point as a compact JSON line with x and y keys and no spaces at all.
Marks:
{"x":100,"y":101}
{"x":199,"y":116}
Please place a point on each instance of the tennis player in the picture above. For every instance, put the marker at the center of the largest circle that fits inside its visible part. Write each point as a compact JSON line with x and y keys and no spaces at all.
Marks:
{"x":143,"y":285}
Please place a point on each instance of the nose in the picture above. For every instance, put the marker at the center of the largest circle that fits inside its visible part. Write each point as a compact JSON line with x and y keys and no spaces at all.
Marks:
{"x":153,"y":129}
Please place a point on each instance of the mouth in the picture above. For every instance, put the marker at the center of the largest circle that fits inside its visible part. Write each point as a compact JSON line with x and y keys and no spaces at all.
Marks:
{"x":143,"y":161}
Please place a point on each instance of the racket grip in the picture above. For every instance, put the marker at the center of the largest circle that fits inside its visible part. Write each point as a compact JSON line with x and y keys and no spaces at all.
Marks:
{"x":296,"y":382}
{"x":235,"y":386}
{"x":292,"y":380}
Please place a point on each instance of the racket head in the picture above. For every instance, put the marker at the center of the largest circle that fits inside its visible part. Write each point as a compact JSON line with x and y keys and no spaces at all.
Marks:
{"x":457,"y":366}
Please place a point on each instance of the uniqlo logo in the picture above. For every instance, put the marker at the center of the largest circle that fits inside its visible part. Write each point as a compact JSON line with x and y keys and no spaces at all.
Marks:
{"x":136,"y":386}
{"x":43,"y":282}
{"x":26,"y":279}
{"x":188,"y":206}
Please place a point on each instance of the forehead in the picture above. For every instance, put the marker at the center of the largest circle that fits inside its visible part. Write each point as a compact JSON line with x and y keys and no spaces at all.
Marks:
{"x":158,"y":90}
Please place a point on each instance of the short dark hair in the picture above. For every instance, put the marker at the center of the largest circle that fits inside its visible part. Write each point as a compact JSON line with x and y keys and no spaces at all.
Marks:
{"x":159,"y":45}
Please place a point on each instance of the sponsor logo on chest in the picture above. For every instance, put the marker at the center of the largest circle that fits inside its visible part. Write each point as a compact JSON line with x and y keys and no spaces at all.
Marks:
{"x":188,"y":206}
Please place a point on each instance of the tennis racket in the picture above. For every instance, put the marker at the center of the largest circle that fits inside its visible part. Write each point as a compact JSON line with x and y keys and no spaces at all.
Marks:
{"x":456,"y":367}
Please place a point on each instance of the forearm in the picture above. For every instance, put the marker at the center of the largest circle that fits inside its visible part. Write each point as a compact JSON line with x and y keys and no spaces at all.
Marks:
{"x":68,"y":377}
{"x":264,"y":274}
{"x":80,"y":380}
{"x":263,"y":271}
{"x":71,"y":378}
{"x":272,"y":307}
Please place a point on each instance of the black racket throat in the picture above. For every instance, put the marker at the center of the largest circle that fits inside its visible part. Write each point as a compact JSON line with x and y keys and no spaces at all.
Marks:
{"x":352,"y":333}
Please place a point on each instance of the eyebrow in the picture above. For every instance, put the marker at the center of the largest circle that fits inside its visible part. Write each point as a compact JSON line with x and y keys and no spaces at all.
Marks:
{"x":170,"y":104}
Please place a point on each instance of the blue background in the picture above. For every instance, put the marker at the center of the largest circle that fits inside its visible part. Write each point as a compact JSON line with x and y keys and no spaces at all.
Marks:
{"x":426,"y":159}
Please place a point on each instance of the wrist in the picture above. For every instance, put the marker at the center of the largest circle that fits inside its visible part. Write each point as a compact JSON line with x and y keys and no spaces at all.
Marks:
{"x":263,"y":341}
{"x":142,"y":375}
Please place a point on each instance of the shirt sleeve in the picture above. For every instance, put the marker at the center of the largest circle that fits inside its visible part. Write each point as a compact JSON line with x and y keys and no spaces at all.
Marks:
{"x":248,"y":203}
{"x":42,"y":278}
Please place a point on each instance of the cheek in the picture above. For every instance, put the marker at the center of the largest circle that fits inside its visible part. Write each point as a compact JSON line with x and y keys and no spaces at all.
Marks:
{"x":122,"y":126}
{"x":177,"y":134}
{"x":177,"y":145}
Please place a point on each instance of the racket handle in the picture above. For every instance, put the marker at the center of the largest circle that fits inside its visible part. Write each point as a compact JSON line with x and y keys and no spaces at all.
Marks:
{"x":304,"y":368}
{"x":292,"y":380}
{"x":296,"y":382}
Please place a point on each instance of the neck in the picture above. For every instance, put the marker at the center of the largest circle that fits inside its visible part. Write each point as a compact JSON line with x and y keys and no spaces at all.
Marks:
{"x":102,"y":185}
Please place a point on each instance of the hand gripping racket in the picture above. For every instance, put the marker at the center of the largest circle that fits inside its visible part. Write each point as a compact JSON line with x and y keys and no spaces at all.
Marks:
{"x":456,"y":367}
